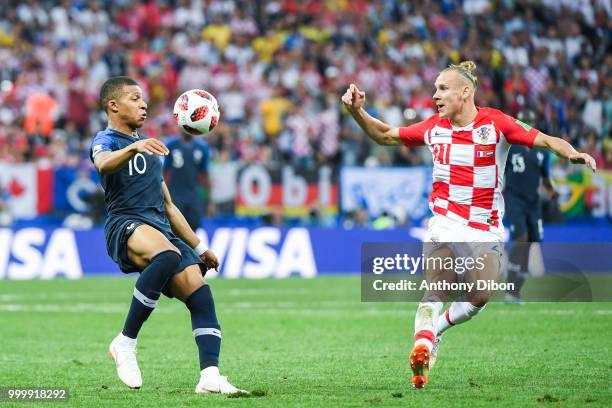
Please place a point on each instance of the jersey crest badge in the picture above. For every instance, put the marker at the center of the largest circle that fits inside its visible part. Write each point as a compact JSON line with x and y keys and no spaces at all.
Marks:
{"x":483,"y":134}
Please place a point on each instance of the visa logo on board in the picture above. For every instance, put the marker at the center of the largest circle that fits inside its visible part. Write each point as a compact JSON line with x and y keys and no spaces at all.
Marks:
{"x":262,"y":253}
{"x":24,"y":255}
{"x":266,"y":252}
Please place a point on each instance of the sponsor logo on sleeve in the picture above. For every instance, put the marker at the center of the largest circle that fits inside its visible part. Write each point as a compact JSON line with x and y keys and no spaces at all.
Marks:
{"x":523,"y":125}
{"x":96,"y":149}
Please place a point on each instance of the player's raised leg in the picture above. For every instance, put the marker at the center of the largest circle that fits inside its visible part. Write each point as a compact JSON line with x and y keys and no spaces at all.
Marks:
{"x":189,"y":287}
{"x":148,"y":249}
{"x":460,"y":311}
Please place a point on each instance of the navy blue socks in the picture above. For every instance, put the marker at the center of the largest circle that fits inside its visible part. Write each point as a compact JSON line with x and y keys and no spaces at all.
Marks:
{"x":147,"y":290}
{"x":206,"y":329}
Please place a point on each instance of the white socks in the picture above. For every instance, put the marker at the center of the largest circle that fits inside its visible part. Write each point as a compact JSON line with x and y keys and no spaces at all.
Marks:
{"x":425,"y":323}
{"x":458,"y":312}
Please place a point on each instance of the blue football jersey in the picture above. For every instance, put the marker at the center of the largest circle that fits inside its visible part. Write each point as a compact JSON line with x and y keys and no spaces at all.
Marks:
{"x":185,"y":163}
{"x":525,"y":168}
{"x":136,"y":188}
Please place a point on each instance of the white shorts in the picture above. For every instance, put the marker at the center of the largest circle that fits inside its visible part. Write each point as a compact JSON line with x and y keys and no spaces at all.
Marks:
{"x":444,"y":229}
{"x":465,"y":241}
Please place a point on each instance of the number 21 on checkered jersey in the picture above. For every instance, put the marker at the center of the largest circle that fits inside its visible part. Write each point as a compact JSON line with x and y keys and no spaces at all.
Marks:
{"x":441,"y":153}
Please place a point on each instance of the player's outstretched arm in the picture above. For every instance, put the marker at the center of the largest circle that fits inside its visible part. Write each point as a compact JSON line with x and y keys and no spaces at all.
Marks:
{"x":376,"y":130}
{"x":111,"y":162}
{"x":181,"y":228}
{"x":562,"y":148}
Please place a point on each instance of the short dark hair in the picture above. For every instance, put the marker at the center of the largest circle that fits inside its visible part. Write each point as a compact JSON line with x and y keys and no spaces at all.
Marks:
{"x":111,"y":89}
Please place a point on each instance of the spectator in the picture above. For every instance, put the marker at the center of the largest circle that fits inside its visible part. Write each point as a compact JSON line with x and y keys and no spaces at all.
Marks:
{"x":383,"y":221}
{"x":272,"y":110}
{"x":592,"y":146}
{"x":276,"y":68}
{"x":516,"y":53}
{"x":592,"y":114}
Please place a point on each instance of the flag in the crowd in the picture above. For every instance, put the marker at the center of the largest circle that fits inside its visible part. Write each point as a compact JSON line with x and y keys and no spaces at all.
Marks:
{"x":27,"y":188}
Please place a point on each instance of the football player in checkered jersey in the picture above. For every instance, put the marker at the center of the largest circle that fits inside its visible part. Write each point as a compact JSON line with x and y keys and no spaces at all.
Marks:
{"x":469,"y":145}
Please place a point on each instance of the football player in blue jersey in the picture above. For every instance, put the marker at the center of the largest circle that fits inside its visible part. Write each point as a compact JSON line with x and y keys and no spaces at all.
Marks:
{"x":185,"y":169}
{"x":146,"y":233}
{"x":526,"y":169}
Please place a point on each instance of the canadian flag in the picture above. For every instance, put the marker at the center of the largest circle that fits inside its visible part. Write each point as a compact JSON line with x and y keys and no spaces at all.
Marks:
{"x":28,"y":187}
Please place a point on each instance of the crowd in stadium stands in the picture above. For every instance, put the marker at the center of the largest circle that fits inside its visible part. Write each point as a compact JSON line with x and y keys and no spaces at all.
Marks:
{"x":278,"y":68}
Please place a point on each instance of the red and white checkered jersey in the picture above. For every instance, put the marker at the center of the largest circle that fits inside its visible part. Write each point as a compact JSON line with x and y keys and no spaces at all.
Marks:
{"x":469,"y":163}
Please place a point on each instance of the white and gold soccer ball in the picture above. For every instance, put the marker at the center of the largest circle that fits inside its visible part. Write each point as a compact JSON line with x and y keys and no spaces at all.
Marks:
{"x":196,"y":112}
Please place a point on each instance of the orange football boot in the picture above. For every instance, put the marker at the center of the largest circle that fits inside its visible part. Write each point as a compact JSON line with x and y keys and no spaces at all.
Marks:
{"x":419,"y":363}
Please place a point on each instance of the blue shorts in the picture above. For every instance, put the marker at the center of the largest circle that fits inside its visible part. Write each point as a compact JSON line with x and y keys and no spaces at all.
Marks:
{"x":524,"y":219}
{"x":119,"y":228}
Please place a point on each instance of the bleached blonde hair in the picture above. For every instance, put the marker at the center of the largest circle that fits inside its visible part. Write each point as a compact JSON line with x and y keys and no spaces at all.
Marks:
{"x":466,"y":69}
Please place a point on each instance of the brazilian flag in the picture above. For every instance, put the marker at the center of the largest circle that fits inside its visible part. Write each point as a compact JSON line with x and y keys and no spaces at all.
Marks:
{"x":578,"y":183}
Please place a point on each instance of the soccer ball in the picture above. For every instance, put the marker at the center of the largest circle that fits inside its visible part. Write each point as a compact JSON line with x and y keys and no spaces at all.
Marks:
{"x":196,"y":112}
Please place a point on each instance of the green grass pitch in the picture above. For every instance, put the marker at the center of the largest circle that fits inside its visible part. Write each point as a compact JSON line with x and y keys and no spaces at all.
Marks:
{"x":302,"y":343}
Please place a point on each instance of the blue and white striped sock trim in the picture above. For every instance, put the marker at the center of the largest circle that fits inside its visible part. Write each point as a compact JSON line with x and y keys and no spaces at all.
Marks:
{"x":207,"y":331}
{"x":144,"y":300}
